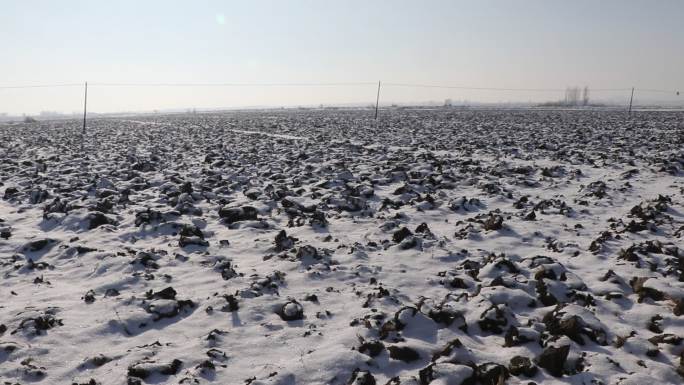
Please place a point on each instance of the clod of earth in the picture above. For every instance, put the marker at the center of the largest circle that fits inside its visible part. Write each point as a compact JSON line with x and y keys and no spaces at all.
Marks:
{"x":520,"y":365}
{"x":145,"y":369}
{"x":403,"y":353}
{"x":291,"y":311}
{"x":552,"y":359}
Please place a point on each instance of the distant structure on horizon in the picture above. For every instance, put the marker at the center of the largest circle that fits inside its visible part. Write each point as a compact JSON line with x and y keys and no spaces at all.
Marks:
{"x":572,"y":96}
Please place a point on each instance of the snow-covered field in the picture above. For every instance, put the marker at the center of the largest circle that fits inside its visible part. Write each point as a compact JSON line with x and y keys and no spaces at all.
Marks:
{"x":312,"y":247}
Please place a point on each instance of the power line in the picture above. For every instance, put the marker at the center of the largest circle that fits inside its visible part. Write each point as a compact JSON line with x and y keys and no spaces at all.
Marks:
{"x":44,"y":86}
{"x":659,"y":91}
{"x":497,"y":88}
{"x":470,"y":88}
{"x":329,"y":84}
{"x":233,"y":84}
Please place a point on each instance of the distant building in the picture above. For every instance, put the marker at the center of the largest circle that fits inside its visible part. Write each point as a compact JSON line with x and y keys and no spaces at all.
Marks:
{"x":572,"y":96}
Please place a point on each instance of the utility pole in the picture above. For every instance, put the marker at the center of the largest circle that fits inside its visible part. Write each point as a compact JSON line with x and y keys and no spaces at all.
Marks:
{"x":377,"y":101}
{"x":630,"y":102}
{"x":85,"y":109}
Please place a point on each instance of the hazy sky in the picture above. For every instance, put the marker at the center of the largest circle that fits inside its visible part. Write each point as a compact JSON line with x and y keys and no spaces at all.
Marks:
{"x":507,"y":44}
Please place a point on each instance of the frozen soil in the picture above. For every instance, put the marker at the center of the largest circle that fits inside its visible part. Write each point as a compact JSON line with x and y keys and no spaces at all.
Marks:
{"x":316,"y":247}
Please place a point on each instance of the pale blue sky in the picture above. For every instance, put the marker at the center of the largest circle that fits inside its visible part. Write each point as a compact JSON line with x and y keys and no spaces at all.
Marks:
{"x":528,"y":44}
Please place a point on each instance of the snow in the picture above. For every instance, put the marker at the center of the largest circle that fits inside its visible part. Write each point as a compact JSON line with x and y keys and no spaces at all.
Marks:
{"x":275,"y":247}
